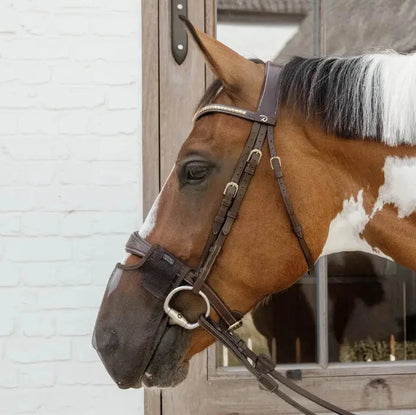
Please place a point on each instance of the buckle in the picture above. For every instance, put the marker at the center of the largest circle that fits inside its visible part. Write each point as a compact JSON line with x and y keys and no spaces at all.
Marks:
{"x":255,"y":151}
{"x":231,"y":184}
{"x":275,"y":158}
{"x":175,"y":317}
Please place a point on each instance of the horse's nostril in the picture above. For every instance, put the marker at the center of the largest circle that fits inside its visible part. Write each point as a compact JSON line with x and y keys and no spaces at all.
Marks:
{"x":107,"y":341}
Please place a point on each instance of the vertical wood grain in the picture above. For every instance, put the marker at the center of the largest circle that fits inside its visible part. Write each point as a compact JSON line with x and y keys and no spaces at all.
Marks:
{"x":181,"y":86}
{"x":150,"y":102}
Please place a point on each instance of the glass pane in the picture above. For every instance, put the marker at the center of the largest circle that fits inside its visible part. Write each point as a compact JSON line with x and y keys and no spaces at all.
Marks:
{"x":372,"y":309}
{"x":266,"y":30}
{"x":283,"y":327}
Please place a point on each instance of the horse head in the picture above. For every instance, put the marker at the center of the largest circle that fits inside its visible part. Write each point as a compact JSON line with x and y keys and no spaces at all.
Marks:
{"x":261,"y":254}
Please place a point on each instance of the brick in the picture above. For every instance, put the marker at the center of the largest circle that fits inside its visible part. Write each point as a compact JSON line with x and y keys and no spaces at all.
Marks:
{"x":121,"y":24}
{"x":33,"y":350}
{"x":38,"y":121}
{"x":112,"y":173}
{"x":110,"y":73}
{"x":38,"y":274}
{"x":40,"y":223}
{"x":74,"y":122}
{"x":8,"y":375}
{"x":34,"y":48}
{"x":7,"y":72}
{"x":70,"y":297}
{"x":74,"y":274}
{"x":98,"y":247}
{"x":74,"y":322}
{"x":71,"y":73}
{"x":15,"y":97}
{"x":36,"y":375}
{"x":84,"y":373}
{"x":116,"y":222}
{"x":75,"y":173}
{"x":77,"y":224}
{"x":6,"y":326}
{"x":71,"y":24}
{"x":8,"y":21}
{"x":106,"y":148}
{"x":17,"y":199}
{"x":114,"y":122}
{"x":105,"y":48}
{"x":9,"y":274}
{"x":9,"y":223}
{"x":71,"y":97}
{"x":35,"y":73}
{"x":10,"y":299}
{"x":123,"y":98}
{"x":34,"y":250}
{"x":108,"y":397}
{"x":8,"y":122}
{"x":38,"y":148}
{"x":8,"y":171}
{"x":110,"y":198}
{"x":38,"y":173}
{"x":37,"y":325}
{"x":35,"y":23}
{"x":83,"y":350}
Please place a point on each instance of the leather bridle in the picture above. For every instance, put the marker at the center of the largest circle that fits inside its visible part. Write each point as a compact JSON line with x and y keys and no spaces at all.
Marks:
{"x":172,"y":273}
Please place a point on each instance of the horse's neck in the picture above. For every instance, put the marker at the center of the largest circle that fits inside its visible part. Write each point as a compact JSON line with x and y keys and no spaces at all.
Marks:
{"x":371,"y":194}
{"x":377,"y":216}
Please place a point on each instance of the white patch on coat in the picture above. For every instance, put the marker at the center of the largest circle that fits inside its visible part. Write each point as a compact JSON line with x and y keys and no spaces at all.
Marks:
{"x":346,"y":228}
{"x":399,"y":189}
{"x":150,"y":222}
{"x":399,"y":186}
{"x":151,"y":218}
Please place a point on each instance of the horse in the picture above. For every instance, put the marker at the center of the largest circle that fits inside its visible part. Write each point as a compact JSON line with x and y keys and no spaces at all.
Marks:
{"x":346,"y":140}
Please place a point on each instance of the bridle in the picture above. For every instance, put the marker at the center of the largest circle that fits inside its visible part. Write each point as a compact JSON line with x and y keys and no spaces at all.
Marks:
{"x":172,"y":273}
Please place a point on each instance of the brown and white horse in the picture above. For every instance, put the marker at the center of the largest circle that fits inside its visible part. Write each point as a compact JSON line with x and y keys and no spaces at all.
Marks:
{"x":346,"y":137}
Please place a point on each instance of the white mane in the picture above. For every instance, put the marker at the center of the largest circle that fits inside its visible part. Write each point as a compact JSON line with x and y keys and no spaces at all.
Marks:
{"x":370,"y":96}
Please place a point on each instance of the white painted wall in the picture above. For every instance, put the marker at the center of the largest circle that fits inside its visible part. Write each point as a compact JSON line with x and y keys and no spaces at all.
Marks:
{"x":70,"y":194}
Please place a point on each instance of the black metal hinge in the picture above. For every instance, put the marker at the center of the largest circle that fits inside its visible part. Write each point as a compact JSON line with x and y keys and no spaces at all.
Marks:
{"x":179,"y":37}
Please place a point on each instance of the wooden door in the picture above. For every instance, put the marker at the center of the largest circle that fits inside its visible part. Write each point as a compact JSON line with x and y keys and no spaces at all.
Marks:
{"x":170,"y":95}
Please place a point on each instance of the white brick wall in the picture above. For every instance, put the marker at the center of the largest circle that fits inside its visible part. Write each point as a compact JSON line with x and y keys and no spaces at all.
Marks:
{"x":70,"y":194}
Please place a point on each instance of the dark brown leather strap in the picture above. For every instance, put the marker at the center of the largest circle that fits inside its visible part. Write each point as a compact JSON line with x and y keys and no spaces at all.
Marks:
{"x":263,"y":368}
{"x":297,"y":228}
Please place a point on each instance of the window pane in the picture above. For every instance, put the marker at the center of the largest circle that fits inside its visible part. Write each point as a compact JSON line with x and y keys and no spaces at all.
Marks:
{"x":283,"y":326}
{"x":372,"y":309}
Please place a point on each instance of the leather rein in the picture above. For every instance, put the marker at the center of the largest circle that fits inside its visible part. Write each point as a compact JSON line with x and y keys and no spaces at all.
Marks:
{"x":174,"y":272}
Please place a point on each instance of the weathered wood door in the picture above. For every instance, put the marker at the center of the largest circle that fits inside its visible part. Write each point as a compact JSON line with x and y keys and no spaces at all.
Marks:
{"x":170,"y":93}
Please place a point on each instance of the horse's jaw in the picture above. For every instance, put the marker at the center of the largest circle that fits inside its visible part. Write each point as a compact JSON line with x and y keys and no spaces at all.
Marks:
{"x":168,"y":367}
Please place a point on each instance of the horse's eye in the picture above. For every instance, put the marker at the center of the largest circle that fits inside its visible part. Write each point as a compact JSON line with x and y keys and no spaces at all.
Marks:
{"x":196,"y":172}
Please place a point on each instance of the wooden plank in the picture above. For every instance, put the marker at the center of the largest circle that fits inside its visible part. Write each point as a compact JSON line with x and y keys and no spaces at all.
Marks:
{"x":181,"y":86}
{"x":152,"y":402}
{"x":150,"y":136}
{"x":150,"y":102}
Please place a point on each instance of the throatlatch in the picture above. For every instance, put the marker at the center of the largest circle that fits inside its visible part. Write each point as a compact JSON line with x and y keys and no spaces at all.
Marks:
{"x":173,"y":273}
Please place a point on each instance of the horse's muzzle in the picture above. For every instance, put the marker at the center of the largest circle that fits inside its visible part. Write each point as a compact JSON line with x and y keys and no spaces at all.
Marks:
{"x":131,"y":320}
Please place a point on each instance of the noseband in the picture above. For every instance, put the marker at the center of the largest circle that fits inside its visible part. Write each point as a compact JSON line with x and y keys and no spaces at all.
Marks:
{"x":172,"y":273}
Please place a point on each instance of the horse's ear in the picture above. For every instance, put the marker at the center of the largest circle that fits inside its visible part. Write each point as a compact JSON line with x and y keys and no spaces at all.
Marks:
{"x":238,"y":74}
